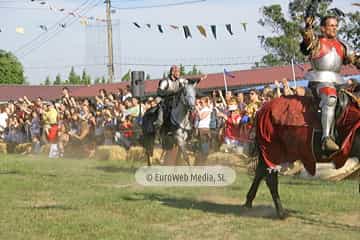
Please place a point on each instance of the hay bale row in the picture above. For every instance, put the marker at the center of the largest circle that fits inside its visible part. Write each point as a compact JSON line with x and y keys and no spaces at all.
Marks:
{"x":3,"y":148}
{"x":227,"y":159}
{"x":23,"y":147}
{"x":112,"y":153}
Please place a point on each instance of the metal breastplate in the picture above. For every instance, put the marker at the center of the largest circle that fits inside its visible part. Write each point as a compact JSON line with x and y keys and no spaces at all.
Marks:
{"x":326,"y":68}
{"x":173,"y":86}
{"x":329,"y":62}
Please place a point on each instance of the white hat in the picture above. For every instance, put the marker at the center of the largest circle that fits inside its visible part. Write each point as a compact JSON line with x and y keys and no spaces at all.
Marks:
{"x":232,"y":107}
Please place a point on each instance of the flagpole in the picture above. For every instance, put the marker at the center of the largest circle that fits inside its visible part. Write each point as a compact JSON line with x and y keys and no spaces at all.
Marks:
{"x":293,"y":71}
{"x":225,"y":84}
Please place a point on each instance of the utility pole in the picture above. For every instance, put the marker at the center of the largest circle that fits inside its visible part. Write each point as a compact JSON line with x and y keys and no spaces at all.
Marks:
{"x":110,"y":42}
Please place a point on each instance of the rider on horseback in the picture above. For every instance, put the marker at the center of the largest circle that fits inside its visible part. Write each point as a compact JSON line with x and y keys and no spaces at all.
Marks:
{"x":327,"y":55}
{"x":168,"y":89}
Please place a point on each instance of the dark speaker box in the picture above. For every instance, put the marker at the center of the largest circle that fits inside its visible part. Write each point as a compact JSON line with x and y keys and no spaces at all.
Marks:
{"x":137,"y":83}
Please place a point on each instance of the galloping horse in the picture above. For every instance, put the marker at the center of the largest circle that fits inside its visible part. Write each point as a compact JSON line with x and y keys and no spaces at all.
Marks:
{"x":175,"y":128}
{"x":287,"y":131}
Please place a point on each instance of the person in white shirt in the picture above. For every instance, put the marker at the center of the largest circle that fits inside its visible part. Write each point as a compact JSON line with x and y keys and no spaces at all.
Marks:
{"x":3,"y":120}
{"x":204,"y":116}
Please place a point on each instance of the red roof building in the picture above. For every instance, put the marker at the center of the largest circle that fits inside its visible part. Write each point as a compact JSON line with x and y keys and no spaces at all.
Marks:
{"x":242,"y":79}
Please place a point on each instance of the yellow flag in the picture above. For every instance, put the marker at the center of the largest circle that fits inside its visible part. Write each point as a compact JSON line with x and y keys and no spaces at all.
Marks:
{"x":202,"y":30}
{"x":20,"y":30}
{"x":83,"y":22}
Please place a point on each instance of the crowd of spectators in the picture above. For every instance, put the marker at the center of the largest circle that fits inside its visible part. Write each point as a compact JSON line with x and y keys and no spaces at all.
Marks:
{"x":115,"y":119}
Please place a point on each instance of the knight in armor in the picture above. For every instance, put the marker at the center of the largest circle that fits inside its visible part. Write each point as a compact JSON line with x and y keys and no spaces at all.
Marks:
{"x":169,"y":90}
{"x":327,"y":54}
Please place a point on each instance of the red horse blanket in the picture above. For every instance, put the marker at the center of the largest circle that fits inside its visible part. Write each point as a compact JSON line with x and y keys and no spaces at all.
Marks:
{"x":285,"y":130}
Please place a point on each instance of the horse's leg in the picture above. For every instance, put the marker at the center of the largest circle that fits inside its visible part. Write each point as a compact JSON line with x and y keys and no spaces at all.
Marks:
{"x":181,"y":138}
{"x":260,"y":173}
{"x":272,"y":183}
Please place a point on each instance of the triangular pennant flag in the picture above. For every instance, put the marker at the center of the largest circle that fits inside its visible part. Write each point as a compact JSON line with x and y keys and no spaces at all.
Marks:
{"x":174,"y":27}
{"x":43,"y":27}
{"x":213,"y":30}
{"x":160,"y":28}
{"x":187,"y":31}
{"x":83,"y":22}
{"x":136,"y":25}
{"x":201,"y":30}
{"x":228,"y":28}
{"x":20,"y":30}
{"x":244,"y":25}
{"x":148,"y":25}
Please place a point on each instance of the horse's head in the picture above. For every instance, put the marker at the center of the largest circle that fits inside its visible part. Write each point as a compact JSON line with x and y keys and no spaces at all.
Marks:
{"x":188,"y":96}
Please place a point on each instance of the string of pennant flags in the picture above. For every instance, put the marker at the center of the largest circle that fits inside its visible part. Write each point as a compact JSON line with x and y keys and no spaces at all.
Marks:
{"x":84,"y":20}
{"x":87,"y":20}
{"x":186,"y":28}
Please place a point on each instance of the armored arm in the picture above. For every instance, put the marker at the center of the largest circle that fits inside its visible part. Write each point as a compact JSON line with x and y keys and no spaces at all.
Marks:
{"x":310,"y":39}
{"x":163,"y":88}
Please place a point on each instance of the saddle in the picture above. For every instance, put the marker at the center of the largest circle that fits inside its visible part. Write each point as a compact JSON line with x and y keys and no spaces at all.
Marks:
{"x":298,"y":111}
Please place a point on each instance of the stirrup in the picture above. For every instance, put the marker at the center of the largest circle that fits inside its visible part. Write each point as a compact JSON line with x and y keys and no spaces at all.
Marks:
{"x":328,"y":144}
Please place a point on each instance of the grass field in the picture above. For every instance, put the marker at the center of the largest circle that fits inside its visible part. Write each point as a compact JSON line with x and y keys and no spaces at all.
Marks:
{"x":44,"y":198}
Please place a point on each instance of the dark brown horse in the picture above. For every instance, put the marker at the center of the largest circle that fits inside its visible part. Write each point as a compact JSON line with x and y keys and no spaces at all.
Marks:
{"x":287,"y":131}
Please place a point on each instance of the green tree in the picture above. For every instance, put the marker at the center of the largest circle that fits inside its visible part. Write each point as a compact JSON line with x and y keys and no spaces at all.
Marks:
{"x":47,"y":81}
{"x":57,"y":80}
{"x":85,"y":78}
{"x":97,"y":80}
{"x":194,"y":71}
{"x":73,"y":77}
{"x":103,"y":80}
{"x":182,"y":70}
{"x":11,"y":70}
{"x":148,"y":77}
{"x":350,"y":31}
{"x":283,"y":44}
{"x":126,"y":77}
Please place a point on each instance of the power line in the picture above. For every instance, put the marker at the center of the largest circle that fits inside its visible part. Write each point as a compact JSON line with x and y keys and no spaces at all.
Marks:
{"x":59,"y":30}
{"x":50,"y":28}
{"x":22,"y":8}
{"x":142,"y":64}
{"x":160,"y":5}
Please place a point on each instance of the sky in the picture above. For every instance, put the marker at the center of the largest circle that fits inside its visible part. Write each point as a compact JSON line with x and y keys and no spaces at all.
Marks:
{"x":48,"y":53}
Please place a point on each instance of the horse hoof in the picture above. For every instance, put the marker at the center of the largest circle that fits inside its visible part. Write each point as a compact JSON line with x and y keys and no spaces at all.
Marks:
{"x":281,"y":215}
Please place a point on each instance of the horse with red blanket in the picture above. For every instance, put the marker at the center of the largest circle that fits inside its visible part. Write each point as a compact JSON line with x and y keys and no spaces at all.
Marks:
{"x":289,"y":129}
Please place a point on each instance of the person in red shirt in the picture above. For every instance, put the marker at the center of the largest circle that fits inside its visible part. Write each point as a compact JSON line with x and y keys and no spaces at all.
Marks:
{"x":232,"y":125}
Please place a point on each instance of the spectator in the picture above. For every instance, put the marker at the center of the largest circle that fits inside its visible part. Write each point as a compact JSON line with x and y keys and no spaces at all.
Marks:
{"x":240,"y":101}
{"x":232,"y":124}
{"x":253,"y":106}
{"x":3,"y":120}
{"x":126,"y":93}
{"x":204,"y":116}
